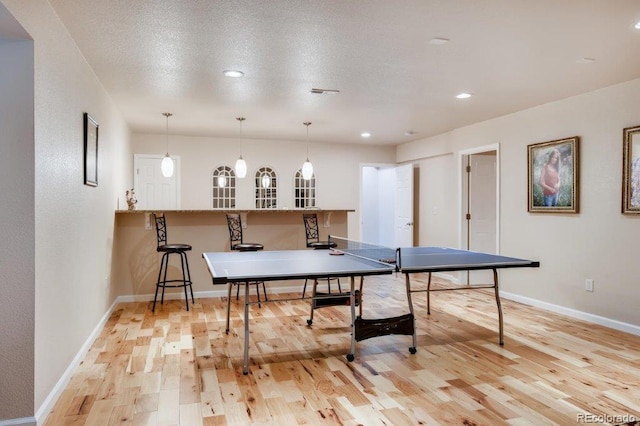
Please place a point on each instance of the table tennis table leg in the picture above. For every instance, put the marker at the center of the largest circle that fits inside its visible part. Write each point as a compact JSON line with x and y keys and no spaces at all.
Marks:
{"x":429,"y":295}
{"x":350,"y":355}
{"x":245,"y":369}
{"x":497,"y":290}
{"x":229,"y":285}
{"x":407,"y":281}
{"x":313,"y":301}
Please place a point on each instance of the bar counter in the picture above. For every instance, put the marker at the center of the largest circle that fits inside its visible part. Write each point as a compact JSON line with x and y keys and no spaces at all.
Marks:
{"x":136,"y":261}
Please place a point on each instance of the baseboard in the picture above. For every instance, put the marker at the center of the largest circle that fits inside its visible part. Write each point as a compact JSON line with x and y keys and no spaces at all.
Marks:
{"x":595,"y":319}
{"x":62,"y":383}
{"x":25,"y":421}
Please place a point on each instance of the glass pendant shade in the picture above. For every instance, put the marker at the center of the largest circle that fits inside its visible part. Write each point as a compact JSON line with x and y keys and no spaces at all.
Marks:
{"x":307,"y":170}
{"x":222,"y":181}
{"x":241,"y":167}
{"x":167,"y":166}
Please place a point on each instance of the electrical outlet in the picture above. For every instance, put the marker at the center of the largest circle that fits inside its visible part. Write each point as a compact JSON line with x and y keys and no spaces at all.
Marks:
{"x":588,"y":284}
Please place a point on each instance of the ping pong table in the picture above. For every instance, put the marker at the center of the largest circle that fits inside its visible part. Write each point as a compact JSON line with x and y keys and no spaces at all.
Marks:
{"x":242,"y":268}
{"x":356,"y":259}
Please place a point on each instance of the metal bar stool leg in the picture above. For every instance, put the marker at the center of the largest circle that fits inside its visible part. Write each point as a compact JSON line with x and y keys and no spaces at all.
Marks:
{"x":184,"y":279}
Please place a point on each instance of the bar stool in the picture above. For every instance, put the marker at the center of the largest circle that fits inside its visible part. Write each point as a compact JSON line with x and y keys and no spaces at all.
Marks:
{"x":234,"y":223}
{"x":167,"y":250}
{"x":313,"y":241}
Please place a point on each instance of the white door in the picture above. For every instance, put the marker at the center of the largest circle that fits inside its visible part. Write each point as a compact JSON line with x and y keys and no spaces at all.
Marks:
{"x":154,"y":191}
{"x":482,"y":210}
{"x":403,"y":206}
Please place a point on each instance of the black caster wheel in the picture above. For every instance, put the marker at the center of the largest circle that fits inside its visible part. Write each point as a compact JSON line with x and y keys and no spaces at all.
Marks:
{"x":309,"y":322}
{"x":350,"y":357}
{"x":412,"y":350}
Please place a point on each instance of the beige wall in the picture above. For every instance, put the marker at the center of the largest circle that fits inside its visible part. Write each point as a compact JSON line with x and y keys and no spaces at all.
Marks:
{"x":17,"y":229}
{"x":598,"y":243}
{"x":337,"y":168}
{"x":74,"y":223}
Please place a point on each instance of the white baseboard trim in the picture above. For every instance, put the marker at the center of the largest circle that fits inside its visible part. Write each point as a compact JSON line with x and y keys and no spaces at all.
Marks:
{"x":53,"y":396}
{"x":26,"y":421}
{"x":595,"y":319}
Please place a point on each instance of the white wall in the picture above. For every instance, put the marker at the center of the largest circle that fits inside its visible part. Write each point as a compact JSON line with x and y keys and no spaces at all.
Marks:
{"x":598,"y":243}
{"x":336,"y":166}
{"x":73,"y":222}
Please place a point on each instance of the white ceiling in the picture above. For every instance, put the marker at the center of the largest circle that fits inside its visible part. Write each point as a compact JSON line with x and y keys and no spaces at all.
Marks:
{"x":154,"y":56}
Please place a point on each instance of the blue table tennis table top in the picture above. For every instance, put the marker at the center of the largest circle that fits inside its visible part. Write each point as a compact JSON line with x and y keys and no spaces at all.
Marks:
{"x":300,"y":264}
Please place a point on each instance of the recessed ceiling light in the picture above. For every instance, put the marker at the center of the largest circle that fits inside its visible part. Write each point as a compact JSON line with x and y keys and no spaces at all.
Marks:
{"x":365,"y":134}
{"x":463,"y":96}
{"x":438,"y":41}
{"x":637,"y":26}
{"x":585,"y":60}
{"x":409,"y":133}
{"x":325,"y":91}
{"x":233,"y":73}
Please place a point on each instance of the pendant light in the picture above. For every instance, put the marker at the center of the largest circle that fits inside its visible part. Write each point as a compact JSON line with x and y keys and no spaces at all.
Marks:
{"x":307,"y":167}
{"x":167,"y":161}
{"x":241,"y":165}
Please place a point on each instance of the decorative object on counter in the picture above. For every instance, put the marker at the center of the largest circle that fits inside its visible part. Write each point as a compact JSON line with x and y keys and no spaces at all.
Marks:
{"x":241,"y":165}
{"x":90,"y":151}
{"x":307,"y":167}
{"x":167,"y":161}
{"x":131,"y":199}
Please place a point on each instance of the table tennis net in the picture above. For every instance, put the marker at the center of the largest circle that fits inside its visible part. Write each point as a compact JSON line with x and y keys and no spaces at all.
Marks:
{"x":365,"y":250}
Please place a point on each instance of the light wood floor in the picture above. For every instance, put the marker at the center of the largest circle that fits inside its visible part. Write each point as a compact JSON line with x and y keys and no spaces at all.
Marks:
{"x":177,"y":367}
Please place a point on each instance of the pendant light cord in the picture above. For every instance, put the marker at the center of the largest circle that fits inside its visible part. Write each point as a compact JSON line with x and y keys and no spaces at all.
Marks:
{"x":167,"y":114}
{"x":308,"y":123}
{"x":240,"y":119}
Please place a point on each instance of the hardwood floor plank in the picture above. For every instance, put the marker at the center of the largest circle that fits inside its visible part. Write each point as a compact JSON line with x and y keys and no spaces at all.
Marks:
{"x":176,"y":367}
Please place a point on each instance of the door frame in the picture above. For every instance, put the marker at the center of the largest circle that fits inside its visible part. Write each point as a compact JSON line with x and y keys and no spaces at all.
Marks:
{"x":462,"y":191}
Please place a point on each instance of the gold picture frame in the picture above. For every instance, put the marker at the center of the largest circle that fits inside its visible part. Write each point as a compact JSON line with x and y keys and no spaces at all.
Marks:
{"x":631,"y":170}
{"x":553,"y":176}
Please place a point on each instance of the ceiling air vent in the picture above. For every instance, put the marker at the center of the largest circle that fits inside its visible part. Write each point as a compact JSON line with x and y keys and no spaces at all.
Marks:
{"x":325,"y":91}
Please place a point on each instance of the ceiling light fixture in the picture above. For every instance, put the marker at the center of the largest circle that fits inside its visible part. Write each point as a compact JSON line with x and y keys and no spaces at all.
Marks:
{"x":265,"y":180}
{"x":241,"y":165}
{"x":438,"y":41}
{"x":167,"y":162}
{"x":463,"y":96}
{"x":233,"y":73}
{"x":307,"y":167}
{"x":637,"y":26}
{"x":365,"y":134}
{"x":325,"y":91}
{"x":585,"y":61}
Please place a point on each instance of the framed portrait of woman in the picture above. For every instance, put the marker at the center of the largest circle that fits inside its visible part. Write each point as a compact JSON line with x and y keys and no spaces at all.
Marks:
{"x":553,"y":176}
{"x":631,"y":171}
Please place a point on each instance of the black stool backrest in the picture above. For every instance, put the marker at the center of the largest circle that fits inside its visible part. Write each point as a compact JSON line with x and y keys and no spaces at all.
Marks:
{"x":161,"y":229}
{"x":311,"y":228}
{"x":234,"y":222}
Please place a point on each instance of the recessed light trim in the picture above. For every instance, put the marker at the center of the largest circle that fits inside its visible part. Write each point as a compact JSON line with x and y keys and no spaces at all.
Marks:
{"x":463,"y":96}
{"x":585,"y":61}
{"x":438,"y":41}
{"x":233,"y":73}
{"x":316,"y":91}
{"x":365,"y":134}
{"x":637,"y":26}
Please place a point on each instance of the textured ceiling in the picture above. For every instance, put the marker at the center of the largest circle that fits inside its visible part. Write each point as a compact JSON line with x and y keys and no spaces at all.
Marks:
{"x":154,"y":56}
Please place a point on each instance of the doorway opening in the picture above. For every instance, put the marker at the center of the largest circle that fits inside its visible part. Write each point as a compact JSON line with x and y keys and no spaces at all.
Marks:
{"x":479,"y":218}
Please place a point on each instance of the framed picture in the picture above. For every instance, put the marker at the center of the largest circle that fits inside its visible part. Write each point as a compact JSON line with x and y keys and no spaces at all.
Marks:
{"x":90,"y":151}
{"x":631,"y":170}
{"x":553,"y":176}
